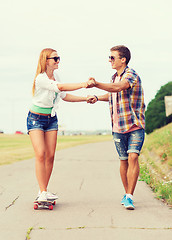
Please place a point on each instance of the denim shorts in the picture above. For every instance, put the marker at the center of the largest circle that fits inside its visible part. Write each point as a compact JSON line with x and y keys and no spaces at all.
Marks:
{"x":40,"y":122}
{"x":130,"y":142}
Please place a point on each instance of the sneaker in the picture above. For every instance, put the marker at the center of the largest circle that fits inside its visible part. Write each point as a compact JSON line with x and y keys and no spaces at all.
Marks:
{"x":123,"y":200}
{"x":42,"y":197}
{"x":128,"y":204}
{"x":39,"y":193}
{"x":51,"y":196}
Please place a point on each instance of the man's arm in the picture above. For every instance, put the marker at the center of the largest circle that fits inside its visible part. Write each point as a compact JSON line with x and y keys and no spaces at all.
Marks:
{"x":94,"y":99}
{"x":109,"y":87}
{"x":104,"y":98}
{"x":113,"y":87}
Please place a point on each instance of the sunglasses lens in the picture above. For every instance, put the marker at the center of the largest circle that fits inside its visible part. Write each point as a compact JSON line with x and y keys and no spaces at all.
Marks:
{"x":111,"y":58}
{"x":56,"y":59}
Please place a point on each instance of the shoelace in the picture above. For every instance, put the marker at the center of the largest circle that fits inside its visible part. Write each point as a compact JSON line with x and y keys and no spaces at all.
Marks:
{"x":130,"y":200}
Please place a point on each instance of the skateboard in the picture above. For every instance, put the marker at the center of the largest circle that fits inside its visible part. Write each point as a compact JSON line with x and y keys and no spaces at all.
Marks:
{"x":44,"y":204}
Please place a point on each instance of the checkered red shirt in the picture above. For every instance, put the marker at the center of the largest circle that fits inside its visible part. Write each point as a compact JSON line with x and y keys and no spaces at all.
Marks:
{"x":130,"y":104}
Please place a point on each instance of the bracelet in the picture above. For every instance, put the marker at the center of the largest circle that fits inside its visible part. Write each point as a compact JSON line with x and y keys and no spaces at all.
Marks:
{"x":96,"y":97}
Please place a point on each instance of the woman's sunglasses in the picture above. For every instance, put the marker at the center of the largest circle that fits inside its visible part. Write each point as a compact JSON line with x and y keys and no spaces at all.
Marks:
{"x":55,"y":58}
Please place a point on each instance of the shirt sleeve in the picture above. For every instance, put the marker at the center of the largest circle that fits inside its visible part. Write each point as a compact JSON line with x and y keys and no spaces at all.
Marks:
{"x":45,"y":83}
{"x":131,"y":77}
{"x":62,"y":95}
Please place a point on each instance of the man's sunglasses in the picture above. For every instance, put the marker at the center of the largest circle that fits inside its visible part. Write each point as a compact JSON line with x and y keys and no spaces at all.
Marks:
{"x":112,"y":58}
{"x":55,"y":58}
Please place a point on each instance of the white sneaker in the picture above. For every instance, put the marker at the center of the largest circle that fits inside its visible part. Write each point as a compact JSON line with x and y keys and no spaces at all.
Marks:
{"x":42,"y":197}
{"x":39,"y":193}
{"x":51,"y":196}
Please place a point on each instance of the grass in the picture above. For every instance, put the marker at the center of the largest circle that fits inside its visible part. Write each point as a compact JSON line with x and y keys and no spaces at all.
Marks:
{"x":156,"y":163}
{"x":162,"y":189}
{"x":160,"y":142}
{"x":28,"y":233}
{"x":15,"y":148}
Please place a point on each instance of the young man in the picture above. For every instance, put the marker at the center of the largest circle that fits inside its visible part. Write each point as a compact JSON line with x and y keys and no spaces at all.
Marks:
{"x":127,"y":108}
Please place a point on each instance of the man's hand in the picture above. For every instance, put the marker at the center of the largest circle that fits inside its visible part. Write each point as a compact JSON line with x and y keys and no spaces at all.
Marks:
{"x":91,"y":83}
{"x":91,"y":99}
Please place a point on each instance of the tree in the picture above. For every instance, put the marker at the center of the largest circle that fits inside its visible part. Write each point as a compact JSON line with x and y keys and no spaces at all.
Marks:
{"x":155,"y":113}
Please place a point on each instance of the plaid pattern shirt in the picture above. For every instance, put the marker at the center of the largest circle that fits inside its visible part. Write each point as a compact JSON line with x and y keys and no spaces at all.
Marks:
{"x":130,"y":106}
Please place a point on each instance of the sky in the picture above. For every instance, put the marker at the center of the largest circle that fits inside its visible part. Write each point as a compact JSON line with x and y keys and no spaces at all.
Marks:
{"x":82,"y":32}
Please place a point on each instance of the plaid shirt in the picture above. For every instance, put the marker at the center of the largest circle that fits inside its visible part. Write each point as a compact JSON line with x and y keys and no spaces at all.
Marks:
{"x":130,"y":105}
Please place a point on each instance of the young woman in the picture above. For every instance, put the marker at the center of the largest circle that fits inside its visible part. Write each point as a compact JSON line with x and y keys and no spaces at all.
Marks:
{"x":42,"y":122}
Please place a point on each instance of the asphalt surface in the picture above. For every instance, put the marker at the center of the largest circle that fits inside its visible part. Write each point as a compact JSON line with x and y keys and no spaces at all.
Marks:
{"x":86,"y":179}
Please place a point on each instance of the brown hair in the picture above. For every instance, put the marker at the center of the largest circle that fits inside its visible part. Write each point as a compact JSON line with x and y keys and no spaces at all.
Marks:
{"x":124,"y":52}
{"x":41,"y":68}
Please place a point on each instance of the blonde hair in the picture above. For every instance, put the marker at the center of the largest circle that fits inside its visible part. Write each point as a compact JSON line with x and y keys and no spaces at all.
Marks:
{"x":41,"y":68}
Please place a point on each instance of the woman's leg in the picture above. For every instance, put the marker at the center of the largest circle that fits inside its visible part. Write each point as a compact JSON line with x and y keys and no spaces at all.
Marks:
{"x":50,"y":147}
{"x":38,"y":141}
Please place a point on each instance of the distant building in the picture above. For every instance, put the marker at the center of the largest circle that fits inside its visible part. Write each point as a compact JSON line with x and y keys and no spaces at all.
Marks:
{"x":61,"y":130}
{"x":168,"y":105}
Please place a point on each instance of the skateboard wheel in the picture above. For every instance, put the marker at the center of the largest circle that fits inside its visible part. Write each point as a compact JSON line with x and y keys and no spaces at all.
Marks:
{"x":35,"y":206}
{"x":54,"y":203}
{"x":51,"y":207}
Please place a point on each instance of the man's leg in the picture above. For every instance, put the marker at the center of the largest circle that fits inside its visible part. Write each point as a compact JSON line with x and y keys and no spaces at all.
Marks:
{"x":133,"y":172}
{"x":121,"y":145}
{"x":132,"y":176}
{"x":129,"y":171}
{"x":135,"y":143}
{"x":123,"y":173}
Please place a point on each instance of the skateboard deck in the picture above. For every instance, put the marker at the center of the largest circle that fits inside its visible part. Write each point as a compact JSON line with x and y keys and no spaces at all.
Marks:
{"x":44,"y":204}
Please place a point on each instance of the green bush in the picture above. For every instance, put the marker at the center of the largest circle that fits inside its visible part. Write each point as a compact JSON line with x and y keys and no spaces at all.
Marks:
{"x":155,"y":113}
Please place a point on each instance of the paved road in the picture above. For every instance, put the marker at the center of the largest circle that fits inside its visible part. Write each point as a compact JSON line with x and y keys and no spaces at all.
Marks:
{"x":87,"y":180}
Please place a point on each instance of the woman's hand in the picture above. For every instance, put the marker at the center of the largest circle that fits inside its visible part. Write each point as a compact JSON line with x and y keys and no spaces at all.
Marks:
{"x":90,"y":83}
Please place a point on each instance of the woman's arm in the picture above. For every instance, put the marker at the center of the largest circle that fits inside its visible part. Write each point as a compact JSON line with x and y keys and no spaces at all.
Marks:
{"x":73,"y":98}
{"x":74,"y":86}
{"x":71,"y":86}
{"x":44,"y":82}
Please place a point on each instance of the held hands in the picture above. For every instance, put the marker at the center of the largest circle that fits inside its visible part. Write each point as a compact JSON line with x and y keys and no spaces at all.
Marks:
{"x":92,"y":99}
{"x":90,"y":83}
